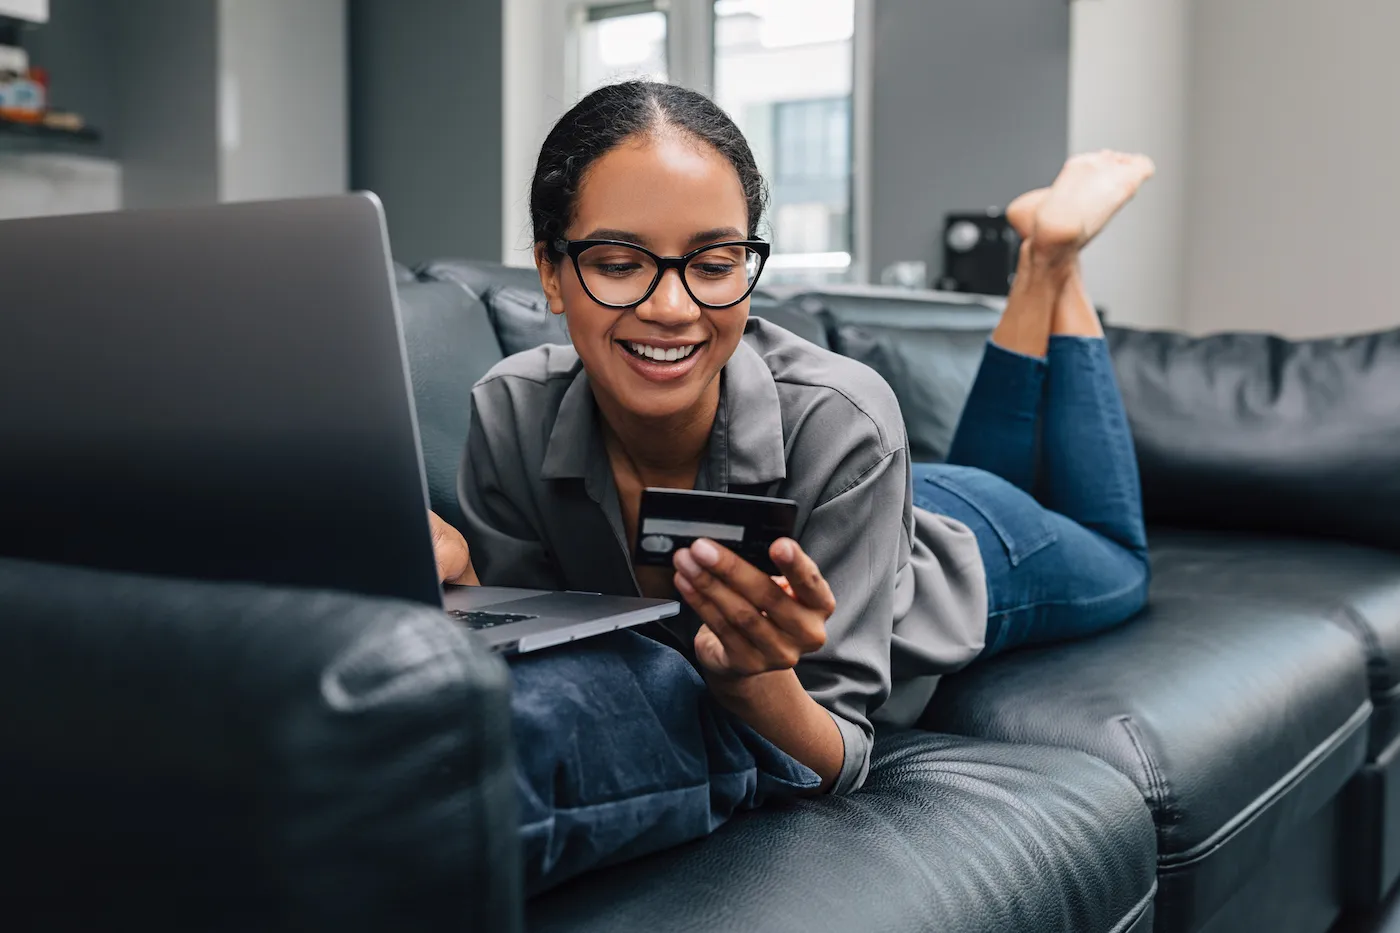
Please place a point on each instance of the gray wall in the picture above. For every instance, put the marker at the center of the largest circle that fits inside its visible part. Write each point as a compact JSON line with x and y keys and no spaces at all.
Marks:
{"x":1294,"y":145}
{"x":167,"y":74}
{"x":425,"y":122}
{"x":1129,"y":74}
{"x":283,"y":107}
{"x":969,"y":104}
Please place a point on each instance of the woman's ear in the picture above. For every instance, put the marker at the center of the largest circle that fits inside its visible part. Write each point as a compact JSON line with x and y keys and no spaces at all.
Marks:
{"x":549,"y":278}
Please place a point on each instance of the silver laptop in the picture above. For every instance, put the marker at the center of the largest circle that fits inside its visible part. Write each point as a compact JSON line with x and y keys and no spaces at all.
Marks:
{"x":222,"y":393}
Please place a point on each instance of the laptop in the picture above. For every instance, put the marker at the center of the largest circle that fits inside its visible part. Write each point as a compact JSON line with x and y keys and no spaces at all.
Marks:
{"x":222,"y":393}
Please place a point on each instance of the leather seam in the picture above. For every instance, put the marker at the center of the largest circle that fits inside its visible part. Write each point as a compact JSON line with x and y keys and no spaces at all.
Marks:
{"x":1377,"y":665}
{"x":1294,"y":776}
{"x":1157,"y":793}
{"x":1138,"y":909}
{"x":1350,"y":619}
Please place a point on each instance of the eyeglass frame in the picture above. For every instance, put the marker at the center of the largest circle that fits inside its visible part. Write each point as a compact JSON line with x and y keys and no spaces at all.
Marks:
{"x":573,"y":248}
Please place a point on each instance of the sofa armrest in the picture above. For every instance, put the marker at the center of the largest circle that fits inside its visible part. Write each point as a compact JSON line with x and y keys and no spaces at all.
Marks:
{"x":196,"y":755}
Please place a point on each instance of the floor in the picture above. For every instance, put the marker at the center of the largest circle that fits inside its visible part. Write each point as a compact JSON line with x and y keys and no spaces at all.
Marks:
{"x":1386,"y":919}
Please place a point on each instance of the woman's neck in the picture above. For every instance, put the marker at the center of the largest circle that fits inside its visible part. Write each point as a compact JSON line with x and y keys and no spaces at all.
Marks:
{"x":662,"y":452}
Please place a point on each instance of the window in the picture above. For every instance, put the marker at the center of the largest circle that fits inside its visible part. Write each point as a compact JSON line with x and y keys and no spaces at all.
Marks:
{"x":619,"y":42}
{"x":784,"y":70}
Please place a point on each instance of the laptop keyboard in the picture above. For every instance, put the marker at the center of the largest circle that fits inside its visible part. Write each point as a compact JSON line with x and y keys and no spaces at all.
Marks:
{"x":477,"y":619}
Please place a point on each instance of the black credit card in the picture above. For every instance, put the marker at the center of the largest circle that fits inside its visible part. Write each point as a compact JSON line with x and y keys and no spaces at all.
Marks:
{"x":671,"y":519}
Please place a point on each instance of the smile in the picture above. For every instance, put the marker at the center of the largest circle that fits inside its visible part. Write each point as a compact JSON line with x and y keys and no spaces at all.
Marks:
{"x":659,"y":354}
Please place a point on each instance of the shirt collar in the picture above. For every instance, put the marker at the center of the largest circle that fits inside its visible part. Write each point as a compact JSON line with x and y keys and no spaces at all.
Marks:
{"x":746,"y":443}
{"x":574,"y":436}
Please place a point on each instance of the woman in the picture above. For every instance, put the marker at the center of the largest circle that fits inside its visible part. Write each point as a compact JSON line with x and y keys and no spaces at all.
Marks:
{"x":646,"y":204}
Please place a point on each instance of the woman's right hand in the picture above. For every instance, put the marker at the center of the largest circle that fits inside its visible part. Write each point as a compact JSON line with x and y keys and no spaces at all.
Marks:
{"x":454,"y":561}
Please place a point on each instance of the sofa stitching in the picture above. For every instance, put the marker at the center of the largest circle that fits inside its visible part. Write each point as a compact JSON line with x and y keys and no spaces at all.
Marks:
{"x":1138,"y":909}
{"x":1158,"y":796}
{"x":1349,"y":618}
{"x":1176,"y":861}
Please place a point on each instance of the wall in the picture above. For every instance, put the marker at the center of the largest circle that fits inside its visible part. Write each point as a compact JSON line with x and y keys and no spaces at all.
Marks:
{"x":1294,"y":149}
{"x":1129,"y":80}
{"x":147,"y":73}
{"x":425,"y":122}
{"x":968,"y":109}
{"x":533,"y":92}
{"x":282,"y":100}
{"x":166,"y":77}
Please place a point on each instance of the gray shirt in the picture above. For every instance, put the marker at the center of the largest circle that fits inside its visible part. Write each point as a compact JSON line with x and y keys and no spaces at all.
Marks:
{"x":794,"y":421}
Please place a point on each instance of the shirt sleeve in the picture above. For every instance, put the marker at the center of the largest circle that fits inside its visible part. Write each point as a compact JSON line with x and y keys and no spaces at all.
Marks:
{"x":860,"y":538}
{"x":507,"y":549}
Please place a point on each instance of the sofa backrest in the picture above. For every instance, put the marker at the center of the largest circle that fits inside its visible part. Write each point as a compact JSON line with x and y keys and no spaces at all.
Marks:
{"x":451,"y":344}
{"x":926,"y":345}
{"x":1255,"y":433}
{"x":1245,"y":432}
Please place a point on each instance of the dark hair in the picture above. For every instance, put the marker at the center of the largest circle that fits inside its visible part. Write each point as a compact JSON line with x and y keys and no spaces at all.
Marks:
{"x":612,"y":114}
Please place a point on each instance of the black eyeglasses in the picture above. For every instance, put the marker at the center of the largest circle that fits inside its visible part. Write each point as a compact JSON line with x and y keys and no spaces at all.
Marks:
{"x":622,"y":275}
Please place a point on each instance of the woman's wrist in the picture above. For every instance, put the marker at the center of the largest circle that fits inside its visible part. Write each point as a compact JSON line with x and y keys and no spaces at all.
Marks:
{"x":750,"y":692}
{"x":775,"y":705}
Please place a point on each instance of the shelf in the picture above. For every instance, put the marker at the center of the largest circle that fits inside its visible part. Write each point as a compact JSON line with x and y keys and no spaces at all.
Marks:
{"x":37,"y":131}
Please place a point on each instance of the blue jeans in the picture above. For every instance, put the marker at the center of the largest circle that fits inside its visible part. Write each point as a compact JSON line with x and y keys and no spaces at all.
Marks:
{"x":621,"y":751}
{"x":1042,"y":470}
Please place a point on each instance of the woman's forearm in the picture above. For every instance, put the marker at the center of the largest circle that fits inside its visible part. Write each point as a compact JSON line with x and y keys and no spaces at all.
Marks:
{"x":777,"y":708}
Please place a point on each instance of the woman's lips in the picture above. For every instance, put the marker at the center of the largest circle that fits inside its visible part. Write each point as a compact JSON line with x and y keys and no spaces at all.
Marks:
{"x":653,"y":371}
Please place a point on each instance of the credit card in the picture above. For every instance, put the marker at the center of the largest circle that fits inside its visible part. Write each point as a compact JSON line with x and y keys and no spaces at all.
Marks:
{"x":671,"y":519}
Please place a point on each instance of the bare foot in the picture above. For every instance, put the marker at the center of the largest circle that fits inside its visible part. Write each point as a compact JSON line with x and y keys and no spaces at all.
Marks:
{"x":1090,"y":189}
{"x":1021,"y":213}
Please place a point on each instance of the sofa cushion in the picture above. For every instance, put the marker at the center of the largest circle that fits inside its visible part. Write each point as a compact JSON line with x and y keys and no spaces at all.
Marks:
{"x":948,"y":834}
{"x":789,"y":316}
{"x":512,"y":297}
{"x":1239,"y":715}
{"x":1255,"y":433}
{"x":926,"y":345}
{"x":450,"y":346}
{"x":1357,"y":587}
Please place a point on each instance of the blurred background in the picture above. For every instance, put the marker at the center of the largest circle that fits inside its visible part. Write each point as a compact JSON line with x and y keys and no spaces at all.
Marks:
{"x":880,"y":124}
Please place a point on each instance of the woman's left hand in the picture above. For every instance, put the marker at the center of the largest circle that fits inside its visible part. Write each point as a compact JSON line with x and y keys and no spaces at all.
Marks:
{"x":753,"y":622}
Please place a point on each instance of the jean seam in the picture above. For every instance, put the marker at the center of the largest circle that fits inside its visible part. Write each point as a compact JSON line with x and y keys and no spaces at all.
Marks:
{"x":1075,"y":603}
{"x":1016,"y":550}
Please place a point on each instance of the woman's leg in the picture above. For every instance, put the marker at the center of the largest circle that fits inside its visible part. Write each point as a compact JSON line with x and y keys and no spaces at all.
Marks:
{"x":1048,"y":578}
{"x":1075,"y":561}
{"x":621,"y":751}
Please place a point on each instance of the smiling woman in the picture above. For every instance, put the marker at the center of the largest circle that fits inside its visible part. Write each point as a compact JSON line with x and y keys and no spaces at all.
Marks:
{"x":645,"y":206}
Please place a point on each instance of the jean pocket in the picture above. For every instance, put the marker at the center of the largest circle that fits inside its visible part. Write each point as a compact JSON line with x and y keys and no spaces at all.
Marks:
{"x":1019,"y":522}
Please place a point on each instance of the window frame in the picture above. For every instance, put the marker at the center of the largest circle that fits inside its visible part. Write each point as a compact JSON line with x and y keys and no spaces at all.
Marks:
{"x":541,"y":76}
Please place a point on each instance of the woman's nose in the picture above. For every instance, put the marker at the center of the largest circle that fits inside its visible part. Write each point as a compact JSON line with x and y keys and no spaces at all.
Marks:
{"x":670,"y":304}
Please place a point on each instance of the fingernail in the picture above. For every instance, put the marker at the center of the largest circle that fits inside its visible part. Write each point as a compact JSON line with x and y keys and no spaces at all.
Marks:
{"x":686,"y":564}
{"x":683,"y":585}
{"x":782,"y":549}
{"x":705,"y":552}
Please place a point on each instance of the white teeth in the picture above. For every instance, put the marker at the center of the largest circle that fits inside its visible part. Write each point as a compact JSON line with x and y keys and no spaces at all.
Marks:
{"x":660,"y":355}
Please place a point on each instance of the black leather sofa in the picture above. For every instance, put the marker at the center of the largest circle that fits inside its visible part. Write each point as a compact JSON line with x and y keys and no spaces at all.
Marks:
{"x":205,"y":756}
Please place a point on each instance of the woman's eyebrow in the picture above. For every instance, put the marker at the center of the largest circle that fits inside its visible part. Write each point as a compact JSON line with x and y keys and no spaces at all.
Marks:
{"x":719,"y":233}
{"x":627,"y":236}
{"x":607,"y":233}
